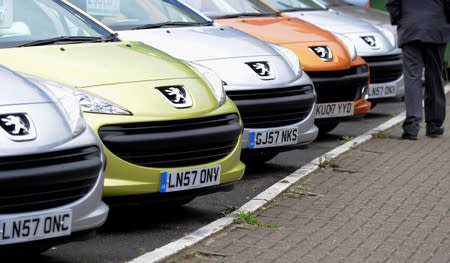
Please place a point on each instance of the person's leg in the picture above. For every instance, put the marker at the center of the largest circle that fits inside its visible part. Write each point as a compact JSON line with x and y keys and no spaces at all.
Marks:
{"x":412,"y":70}
{"x":434,"y":87}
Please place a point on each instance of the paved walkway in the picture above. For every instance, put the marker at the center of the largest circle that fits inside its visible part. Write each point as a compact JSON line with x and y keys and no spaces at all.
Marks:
{"x":387,"y":201}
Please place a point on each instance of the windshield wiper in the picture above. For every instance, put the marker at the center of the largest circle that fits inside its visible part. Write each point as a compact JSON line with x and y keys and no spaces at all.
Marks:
{"x":303,"y":9}
{"x":62,"y":39}
{"x":173,"y":24}
{"x":246,"y":15}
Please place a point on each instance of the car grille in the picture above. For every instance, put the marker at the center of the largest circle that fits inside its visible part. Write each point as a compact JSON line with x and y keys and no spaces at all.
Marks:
{"x":385,"y":68}
{"x":265,"y":108}
{"x":342,"y":85}
{"x":47,"y":180}
{"x":173,"y":143}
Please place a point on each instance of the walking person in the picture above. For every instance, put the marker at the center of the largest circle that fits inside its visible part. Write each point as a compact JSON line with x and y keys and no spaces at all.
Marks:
{"x":423,"y":32}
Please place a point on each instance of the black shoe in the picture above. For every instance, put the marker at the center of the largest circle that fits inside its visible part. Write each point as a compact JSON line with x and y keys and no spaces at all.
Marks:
{"x":434,"y":131}
{"x":407,"y":136}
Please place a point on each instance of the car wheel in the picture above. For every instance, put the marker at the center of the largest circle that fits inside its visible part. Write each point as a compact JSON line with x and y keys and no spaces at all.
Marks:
{"x":258,"y":157}
{"x":325,"y":128}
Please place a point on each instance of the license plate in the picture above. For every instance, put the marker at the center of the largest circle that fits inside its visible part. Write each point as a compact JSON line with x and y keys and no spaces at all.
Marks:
{"x":190,"y":179}
{"x":333,"y":110}
{"x":382,"y":91}
{"x":43,"y":226}
{"x":273,"y":137}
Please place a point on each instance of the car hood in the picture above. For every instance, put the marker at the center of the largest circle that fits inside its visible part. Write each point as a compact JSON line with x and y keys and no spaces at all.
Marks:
{"x":297,"y":35}
{"x":333,"y":21}
{"x":94,"y":64}
{"x":14,"y":87}
{"x":201,"y":43}
{"x":371,"y":15}
{"x":278,"y":30}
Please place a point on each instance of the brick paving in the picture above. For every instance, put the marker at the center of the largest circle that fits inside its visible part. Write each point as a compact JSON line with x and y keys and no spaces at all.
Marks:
{"x":388,"y":201}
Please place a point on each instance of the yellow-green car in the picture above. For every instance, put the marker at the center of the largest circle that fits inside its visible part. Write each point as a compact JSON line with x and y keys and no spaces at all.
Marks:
{"x":166,"y":126}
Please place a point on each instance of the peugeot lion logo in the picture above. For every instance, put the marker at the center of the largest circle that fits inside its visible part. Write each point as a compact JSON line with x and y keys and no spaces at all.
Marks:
{"x":263,"y":70}
{"x":370,"y":40}
{"x":323,"y":52}
{"x":18,"y":127}
{"x":177,"y":96}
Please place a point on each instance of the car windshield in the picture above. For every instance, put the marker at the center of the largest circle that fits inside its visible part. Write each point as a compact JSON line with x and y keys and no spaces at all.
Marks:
{"x":296,"y":5}
{"x":141,"y":14}
{"x":45,"y":22}
{"x":232,"y":8}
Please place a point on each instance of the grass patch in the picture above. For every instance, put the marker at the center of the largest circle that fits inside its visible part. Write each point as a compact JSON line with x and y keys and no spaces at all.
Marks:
{"x":331,"y":163}
{"x":228,"y":210}
{"x":250,"y":219}
{"x":380,"y":135}
{"x":347,"y":138}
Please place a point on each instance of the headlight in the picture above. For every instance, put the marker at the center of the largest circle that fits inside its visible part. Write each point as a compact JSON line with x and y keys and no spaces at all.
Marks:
{"x":291,"y":57}
{"x":348,"y":44}
{"x":65,"y":98}
{"x":93,"y":104}
{"x":214,"y":81}
{"x":389,"y":32}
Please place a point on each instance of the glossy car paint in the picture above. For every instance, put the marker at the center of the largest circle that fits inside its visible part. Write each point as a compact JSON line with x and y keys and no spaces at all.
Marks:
{"x":227,"y":51}
{"x":53,"y":135}
{"x":127,"y":74}
{"x":383,"y":56}
{"x":299,"y":36}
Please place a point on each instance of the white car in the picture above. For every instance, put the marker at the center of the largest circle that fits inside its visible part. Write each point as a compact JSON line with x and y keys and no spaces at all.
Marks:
{"x":51,"y":167}
{"x":376,"y":44}
{"x":275,"y":97}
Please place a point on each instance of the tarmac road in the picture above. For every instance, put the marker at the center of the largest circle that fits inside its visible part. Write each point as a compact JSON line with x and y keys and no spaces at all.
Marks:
{"x":134,"y":230}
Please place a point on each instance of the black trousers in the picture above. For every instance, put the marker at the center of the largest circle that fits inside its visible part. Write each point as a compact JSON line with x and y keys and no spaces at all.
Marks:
{"x":416,"y":56}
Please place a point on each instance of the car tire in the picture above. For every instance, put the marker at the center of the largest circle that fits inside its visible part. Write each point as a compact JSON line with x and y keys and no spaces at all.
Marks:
{"x":325,"y":128}
{"x":258,"y":157}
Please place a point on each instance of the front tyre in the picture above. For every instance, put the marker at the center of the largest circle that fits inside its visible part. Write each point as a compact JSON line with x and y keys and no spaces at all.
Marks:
{"x":255,"y":158}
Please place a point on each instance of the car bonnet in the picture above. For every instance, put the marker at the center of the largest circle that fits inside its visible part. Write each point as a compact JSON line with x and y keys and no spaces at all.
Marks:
{"x":14,"y":87}
{"x":202,"y":43}
{"x":95,"y":64}
{"x":279,"y":30}
{"x":333,"y":21}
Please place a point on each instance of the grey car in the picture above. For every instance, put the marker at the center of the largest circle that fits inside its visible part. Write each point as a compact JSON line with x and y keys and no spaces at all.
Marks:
{"x":376,"y":44}
{"x":275,"y":97}
{"x":51,"y":167}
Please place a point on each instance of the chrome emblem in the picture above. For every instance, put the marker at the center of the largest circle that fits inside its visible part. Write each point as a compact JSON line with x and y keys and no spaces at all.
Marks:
{"x":177,"y":96}
{"x":370,"y":40}
{"x":18,"y":126}
{"x":323,"y":52}
{"x":263,"y":69}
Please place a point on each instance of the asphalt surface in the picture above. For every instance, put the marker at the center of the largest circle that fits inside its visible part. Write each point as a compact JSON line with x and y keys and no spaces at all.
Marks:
{"x":131,"y":231}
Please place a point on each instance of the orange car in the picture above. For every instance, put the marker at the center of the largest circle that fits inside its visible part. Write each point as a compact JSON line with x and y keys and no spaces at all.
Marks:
{"x":340,"y":77}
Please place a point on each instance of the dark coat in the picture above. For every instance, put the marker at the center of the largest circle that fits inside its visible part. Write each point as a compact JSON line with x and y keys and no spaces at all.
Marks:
{"x":419,"y":20}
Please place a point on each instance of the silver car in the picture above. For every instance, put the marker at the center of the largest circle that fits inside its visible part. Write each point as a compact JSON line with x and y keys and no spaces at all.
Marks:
{"x":376,"y":44}
{"x":274,"y":96}
{"x":51,"y":167}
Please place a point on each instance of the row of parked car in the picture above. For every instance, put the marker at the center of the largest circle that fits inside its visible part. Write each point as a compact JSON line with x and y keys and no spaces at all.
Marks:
{"x":176,"y":96}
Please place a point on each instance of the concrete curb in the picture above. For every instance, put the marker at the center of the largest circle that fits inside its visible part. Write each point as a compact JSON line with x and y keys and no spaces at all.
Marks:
{"x":263,"y":198}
